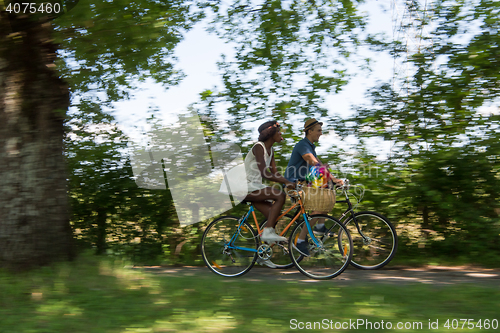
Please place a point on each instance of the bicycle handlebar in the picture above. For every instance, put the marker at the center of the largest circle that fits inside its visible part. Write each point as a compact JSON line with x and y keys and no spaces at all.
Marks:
{"x":294,"y":192}
{"x":345,"y":186}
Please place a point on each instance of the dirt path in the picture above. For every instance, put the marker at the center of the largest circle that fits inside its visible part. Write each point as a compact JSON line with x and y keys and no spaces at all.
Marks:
{"x":436,"y":275}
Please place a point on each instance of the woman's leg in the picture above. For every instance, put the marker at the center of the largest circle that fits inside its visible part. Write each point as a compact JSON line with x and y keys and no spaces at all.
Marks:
{"x":264,"y":207}
{"x":268,"y":193}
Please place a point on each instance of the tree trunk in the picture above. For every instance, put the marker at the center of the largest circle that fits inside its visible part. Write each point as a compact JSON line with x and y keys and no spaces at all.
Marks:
{"x":34,"y":219}
{"x":102,"y":216}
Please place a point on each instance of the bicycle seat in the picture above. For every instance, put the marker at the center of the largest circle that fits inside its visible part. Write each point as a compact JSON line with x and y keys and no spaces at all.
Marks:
{"x":249,"y":202}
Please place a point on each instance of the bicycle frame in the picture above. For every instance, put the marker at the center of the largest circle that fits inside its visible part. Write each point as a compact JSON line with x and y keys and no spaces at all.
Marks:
{"x":349,"y":210}
{"x":251,"y":210}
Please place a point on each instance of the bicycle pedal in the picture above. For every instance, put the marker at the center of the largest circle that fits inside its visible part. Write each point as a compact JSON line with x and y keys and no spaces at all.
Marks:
{"x":267,"y":263}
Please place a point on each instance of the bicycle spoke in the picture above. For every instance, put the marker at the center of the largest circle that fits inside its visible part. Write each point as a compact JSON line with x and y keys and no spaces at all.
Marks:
{"x":331,"y":257}
{"x":381,"y":241}
{"x":380,"y":244}
{"x":379,"y":248}
{"x":221,"y":258}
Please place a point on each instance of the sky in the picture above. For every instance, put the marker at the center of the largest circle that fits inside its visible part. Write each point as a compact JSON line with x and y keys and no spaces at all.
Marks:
{"x":197,"y":56}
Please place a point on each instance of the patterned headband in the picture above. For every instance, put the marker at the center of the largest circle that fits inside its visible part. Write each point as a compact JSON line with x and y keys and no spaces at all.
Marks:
{"x":275,"y":125}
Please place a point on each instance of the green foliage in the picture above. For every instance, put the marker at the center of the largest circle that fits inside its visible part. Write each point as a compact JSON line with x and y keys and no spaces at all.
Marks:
{"x":106,"y":45}
{"x":439,"y":185}
{"x":444,"y":164}
{"x":100,"y":177}
{"x":289,"y":56}
{"x":109,"y":211}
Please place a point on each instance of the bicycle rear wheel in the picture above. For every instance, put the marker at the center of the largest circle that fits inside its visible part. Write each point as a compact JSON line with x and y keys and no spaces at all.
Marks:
{"x":218,"y":242}
{"x":379,"y":244}
{"x":330,"y":258}
{"x":281,"y":256}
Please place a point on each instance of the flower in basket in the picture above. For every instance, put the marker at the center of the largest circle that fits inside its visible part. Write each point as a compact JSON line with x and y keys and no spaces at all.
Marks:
{"x":318,"y":176}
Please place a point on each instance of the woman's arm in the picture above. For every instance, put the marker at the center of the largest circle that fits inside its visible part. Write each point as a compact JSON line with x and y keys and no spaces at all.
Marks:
{"x":270,"y":173}
{"x":278,"y":176}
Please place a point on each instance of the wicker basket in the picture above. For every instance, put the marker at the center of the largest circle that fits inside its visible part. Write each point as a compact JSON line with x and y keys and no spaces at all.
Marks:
{"x":318,"y":199}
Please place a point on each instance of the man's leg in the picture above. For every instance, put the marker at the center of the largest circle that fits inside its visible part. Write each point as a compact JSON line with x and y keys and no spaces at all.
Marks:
{"x":312,"y":222}
{"x":304,"y":248}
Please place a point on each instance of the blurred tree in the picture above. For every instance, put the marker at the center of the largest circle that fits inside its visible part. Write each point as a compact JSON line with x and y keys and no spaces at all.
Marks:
{"x":100,"y":175}
{"x":290,"y":55}
{"x":445,"y":138}
{"x":106,"y":46}
{"x":109,"y":212}
{"x":34,"y":225}
{"x":103,"y":46}
{"x":456,"y":73}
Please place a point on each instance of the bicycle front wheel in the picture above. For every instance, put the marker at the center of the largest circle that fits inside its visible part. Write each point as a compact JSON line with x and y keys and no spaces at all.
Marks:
{"x":376,"y":245}
{"x":328,"y":259}
{"x":228,"y":249}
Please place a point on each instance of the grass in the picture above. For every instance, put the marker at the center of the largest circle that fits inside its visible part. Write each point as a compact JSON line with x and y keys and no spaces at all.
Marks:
{"x":100,"y":295}
{"x":413,"y":256}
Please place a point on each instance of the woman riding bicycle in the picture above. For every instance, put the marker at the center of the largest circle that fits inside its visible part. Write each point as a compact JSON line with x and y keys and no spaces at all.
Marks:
{"x":260,"y":163}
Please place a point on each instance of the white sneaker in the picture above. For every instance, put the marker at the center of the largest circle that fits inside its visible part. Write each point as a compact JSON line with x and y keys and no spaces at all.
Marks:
{"x":269,"y":236}
{"x":267,"y":263}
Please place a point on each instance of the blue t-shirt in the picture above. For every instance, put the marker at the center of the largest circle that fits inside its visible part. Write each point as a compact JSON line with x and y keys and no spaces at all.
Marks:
{"x":297,"y":167}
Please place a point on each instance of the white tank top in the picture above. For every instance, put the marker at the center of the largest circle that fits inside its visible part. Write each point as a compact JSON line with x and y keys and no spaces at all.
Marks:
{"x":254,"y":178}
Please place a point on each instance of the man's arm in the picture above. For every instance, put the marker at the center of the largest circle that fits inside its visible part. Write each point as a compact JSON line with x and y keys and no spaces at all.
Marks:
{"x":312,"y":160}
